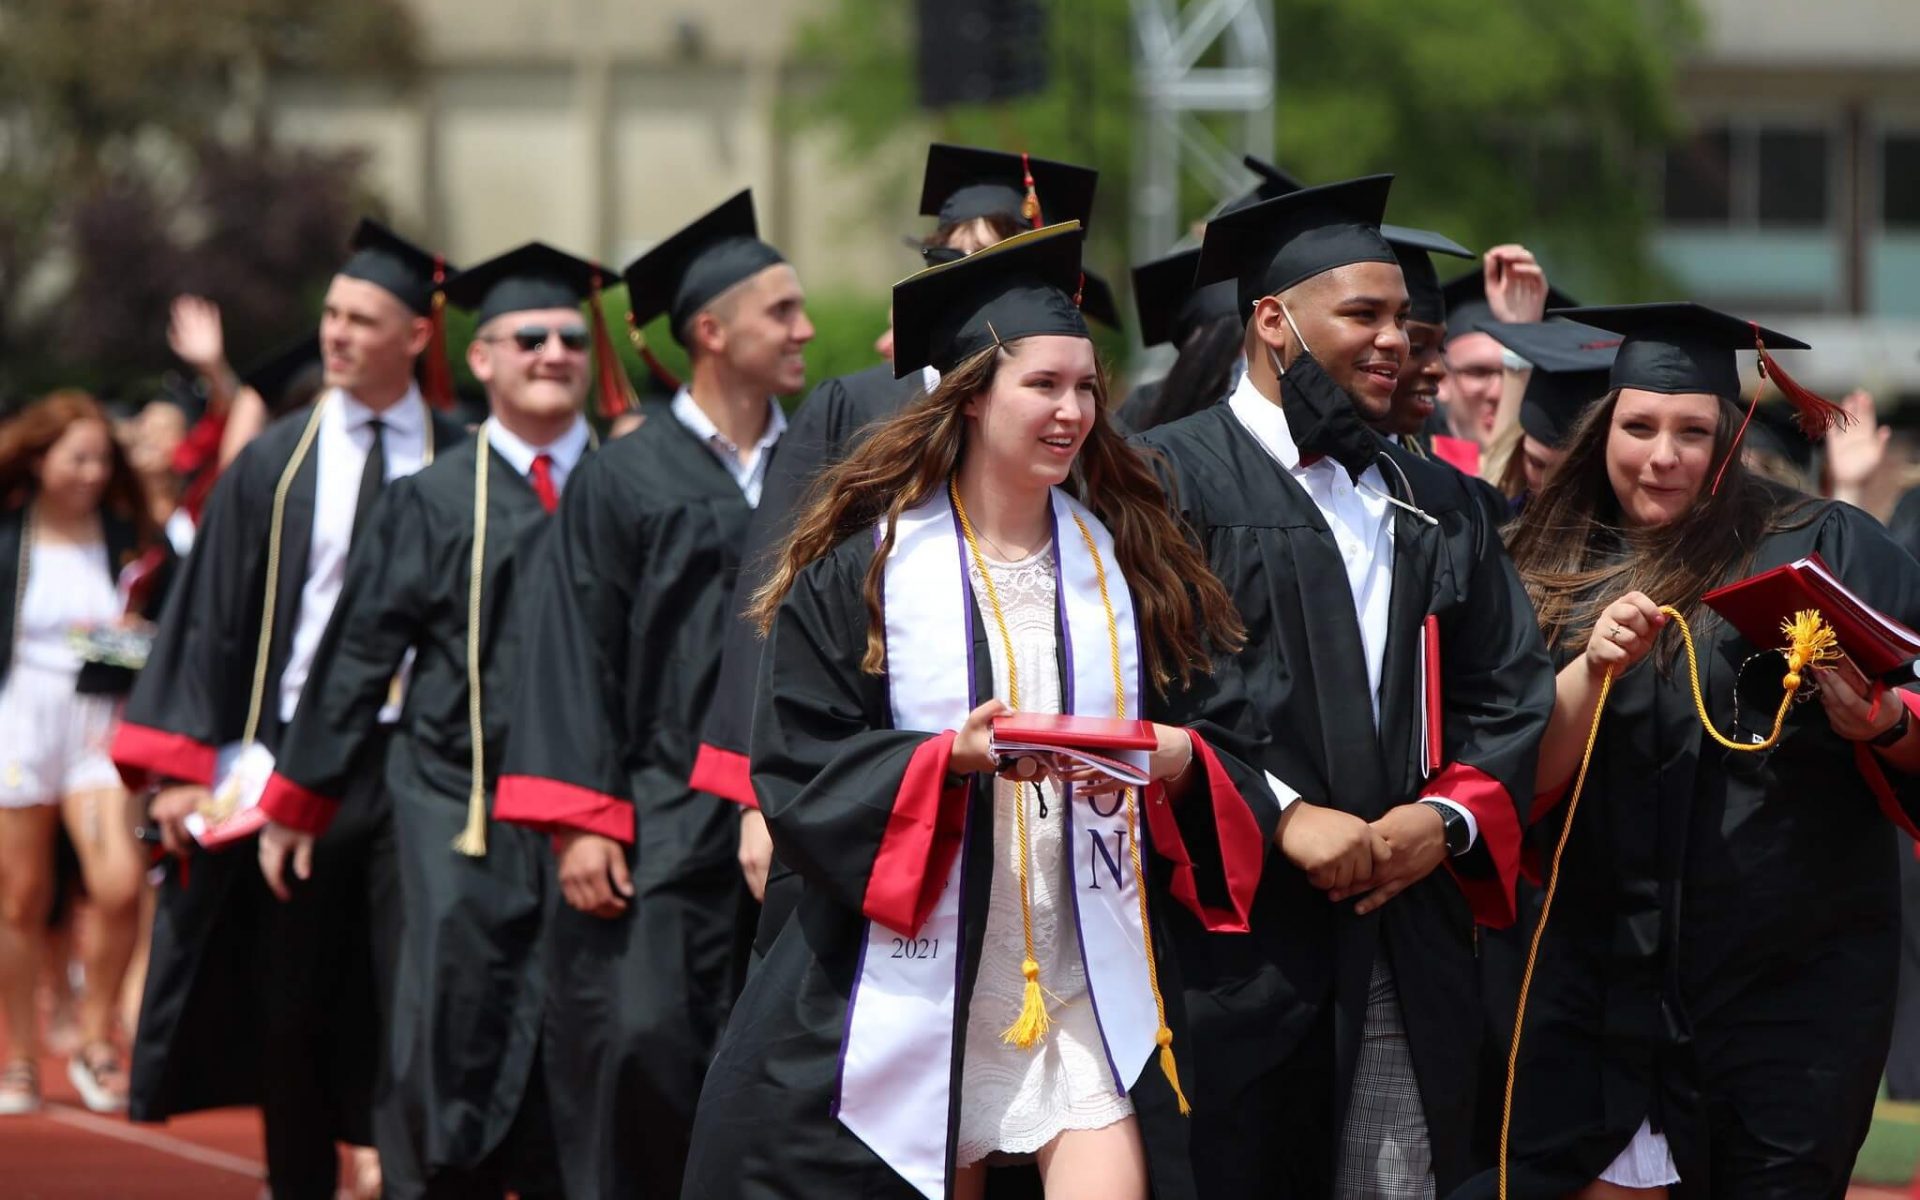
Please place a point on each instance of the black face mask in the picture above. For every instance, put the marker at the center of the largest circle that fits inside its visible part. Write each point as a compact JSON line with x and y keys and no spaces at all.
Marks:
{"x":1322,"y":417}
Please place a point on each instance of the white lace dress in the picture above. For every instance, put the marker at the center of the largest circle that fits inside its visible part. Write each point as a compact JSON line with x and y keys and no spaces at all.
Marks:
{"x":1014,"y":1101}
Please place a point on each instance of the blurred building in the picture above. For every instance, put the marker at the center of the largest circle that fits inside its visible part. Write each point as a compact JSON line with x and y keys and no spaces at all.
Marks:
{"x":1797,"y":195}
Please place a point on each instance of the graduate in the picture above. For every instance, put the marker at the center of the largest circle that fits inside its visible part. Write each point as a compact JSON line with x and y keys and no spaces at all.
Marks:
{"x":977,"y":197}
{"x":1416,"y":400}
{"x":625,"y":620}
{"x":970,"y":981}
{"x":1569,"y":368}
{"x":471,"y":992}
{"x":1509,"y":285}
{"x":1393,"y":660}
{"x":1711,"y":1005}
{"x":1202,"y":323}
{"x":249,"y":1000}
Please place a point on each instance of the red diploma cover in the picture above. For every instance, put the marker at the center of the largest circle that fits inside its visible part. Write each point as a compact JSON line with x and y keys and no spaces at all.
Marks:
{"x":1114,"y":747}
{"x":1876,"y":643}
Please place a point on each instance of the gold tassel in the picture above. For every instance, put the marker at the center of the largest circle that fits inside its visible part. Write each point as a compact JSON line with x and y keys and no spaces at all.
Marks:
{"x":1810,"y":642}
{"x":1167,"y":1068}
{"x":1033,"y":1021}
{"x":472,"y":841}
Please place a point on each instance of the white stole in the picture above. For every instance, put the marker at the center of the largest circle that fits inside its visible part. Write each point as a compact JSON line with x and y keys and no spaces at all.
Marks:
{"x":898,"y":1052}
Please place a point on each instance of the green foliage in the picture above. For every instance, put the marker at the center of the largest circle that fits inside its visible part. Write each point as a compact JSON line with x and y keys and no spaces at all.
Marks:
{"x":1505,"y":120}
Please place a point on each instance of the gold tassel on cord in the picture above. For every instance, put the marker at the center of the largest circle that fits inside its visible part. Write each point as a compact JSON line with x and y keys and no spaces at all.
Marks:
{"x":472,"y":841}
{"x":1033,"y":1022}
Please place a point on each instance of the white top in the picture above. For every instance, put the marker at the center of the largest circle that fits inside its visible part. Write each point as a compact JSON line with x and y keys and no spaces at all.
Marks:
{"x":1356,"y":512}
{"x":1012,"y":1100}
{"x":341,"y":448}
{"x":564,"y":451}
{"x":749,"y":470}
{"x":68,"y":587}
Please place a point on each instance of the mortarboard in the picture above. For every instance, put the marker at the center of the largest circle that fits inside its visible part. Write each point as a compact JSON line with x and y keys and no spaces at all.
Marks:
{"x":1271,"y":246}
{"x":414,"y":277}
{"x":1273,"y":184}
{"x":964,"y":183}
{"x":1170,"y":307}
{"x":1415,"y":248}
{"x":1024,"y":286}
{"x":1571,"y":365}
{"x":683,"y":274}
{"x":1467,"y":307}
{"x":535,"y":276}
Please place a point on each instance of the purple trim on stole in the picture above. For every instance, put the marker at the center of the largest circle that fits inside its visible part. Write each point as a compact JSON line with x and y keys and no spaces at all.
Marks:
{"x":1066,"y":802}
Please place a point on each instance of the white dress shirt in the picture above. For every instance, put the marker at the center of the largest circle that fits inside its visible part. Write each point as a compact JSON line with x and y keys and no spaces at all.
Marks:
{"x":564,"y":451}
{"x":749,"y":470}
{"x":1357,"y":513}
{"x":340,"y":451}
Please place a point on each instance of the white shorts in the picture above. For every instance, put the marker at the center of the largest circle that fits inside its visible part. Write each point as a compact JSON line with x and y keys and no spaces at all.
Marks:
{"x":1647,"y":1162}
{"x":53,"y":741}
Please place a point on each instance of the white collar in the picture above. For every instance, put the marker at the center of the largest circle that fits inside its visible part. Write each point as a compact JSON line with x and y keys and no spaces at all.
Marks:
{"x":695,"y":418}
{"x":565,"y":450}
{"x":407,"y":416}
{"x":1263,"y":419}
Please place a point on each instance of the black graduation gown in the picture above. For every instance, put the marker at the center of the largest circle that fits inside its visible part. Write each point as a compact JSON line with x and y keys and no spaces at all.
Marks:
{"x":471,"y":988}
{"x":1255,"y":1001}
{"x":831,"y":772}
{"x":199,"y":1042}
{"x":624,"y":623}
{"x":123,"y":551}
{"x":1721,"y":953}
{"x":824,"y":429}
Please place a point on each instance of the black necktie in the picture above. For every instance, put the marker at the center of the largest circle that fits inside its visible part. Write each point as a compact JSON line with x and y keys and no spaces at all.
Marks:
{"x":372,"y":479}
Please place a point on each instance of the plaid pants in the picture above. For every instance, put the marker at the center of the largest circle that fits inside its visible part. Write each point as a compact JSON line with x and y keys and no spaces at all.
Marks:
{"x":1384,"y":1151}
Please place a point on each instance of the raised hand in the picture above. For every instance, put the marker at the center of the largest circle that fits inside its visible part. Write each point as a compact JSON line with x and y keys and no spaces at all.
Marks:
{"x":1516,"y":285}
{"x":195,"y":334}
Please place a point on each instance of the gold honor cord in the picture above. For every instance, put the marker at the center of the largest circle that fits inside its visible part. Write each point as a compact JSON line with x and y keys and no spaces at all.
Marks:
{"x":472,"y":841}
{"x":1810,"y":642}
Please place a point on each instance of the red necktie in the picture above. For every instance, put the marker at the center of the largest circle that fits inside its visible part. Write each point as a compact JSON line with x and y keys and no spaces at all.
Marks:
{"x":541,"y":476}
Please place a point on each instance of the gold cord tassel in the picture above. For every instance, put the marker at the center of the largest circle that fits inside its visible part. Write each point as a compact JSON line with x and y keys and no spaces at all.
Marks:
{"x":1033,"y":1022}
{"x":472,"y":841}
{"x":1810,"y":642}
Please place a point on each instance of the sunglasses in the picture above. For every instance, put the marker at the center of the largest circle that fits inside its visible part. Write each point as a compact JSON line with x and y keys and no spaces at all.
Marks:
{"x":533,"y":338}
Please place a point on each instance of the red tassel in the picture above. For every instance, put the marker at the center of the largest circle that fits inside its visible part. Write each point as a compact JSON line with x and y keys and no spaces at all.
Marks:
{"x":437,"y":386}
{"x":658,"y":369}
{"x":1080,"y":289}
{"x":616,"y":390}
{"x":1029,"y":207}
{"x":1815,"y":412}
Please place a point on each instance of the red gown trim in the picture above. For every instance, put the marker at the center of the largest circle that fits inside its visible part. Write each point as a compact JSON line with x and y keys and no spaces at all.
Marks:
{"x":144,"y":753}
{"x":1499,"y":821}
{"x":921,"y":840}
{"x":723,"y":773}
{"x":1242,"y":849}
{"x":297,"y":807}
{"x":555,"y":807}
{"x":1875,"y":774}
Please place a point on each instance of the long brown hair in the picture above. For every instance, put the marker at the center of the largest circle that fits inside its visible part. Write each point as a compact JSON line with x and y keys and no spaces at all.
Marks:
{"x":1182,"y":607}
{"x":26,"y":437}
{"x":1576,"y":554}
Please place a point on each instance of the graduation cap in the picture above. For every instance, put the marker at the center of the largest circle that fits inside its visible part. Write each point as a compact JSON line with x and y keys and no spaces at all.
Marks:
{"x":536,"y":276}
{"x":1025,"y":286}
{"x":1170,"y":306}
{"x":1097,"y":302}
{"x":1678,"y":348}
{"x":1273,"y":184}
{"x":274,"y":375}
{"x":1415,"y":248}
{"x":1467,"y":307}
{"x":684,"y":273}
{"x":1270,"y":246}
{"x":1571,"y":365}
{"x":965,"y":183}
{"x":414,"y":277}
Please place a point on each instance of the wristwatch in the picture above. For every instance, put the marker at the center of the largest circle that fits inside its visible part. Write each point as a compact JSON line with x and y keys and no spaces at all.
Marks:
{"x":1894,"y":732}
{"x":1455,"y":825}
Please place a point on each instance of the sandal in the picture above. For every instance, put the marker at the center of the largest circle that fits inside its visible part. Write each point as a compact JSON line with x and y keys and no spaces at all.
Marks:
{"x":19,"y":1088}
{"x":95,"y":1073}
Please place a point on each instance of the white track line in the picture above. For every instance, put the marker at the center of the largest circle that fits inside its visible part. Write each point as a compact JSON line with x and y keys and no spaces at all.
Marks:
{"x":127,"y":1132}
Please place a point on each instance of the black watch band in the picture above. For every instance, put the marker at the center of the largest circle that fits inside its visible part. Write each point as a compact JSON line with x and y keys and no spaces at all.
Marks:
{"x":1455,"y":825}
{"x":1894,"y":732}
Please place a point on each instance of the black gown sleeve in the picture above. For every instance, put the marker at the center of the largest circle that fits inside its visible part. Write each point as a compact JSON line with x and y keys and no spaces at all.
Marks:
{"x":191,"y":697}
{"x":377,"y":617}
{"x":565,"y":767}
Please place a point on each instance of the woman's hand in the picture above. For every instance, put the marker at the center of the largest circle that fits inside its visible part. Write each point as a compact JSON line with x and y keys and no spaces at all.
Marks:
{"x":973,"y":745}
{"x":1624,"y":634}
{"x":1853,"y":716}
{"x":1166,"y":763}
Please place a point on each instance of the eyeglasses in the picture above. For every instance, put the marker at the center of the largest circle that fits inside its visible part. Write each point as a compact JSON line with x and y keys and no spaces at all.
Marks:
{"x":533,"y":338}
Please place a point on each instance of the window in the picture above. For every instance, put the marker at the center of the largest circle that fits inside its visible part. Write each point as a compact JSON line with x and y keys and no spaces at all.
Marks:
{"x":1792,"y":170}
{"x":1699,"y":178}
{"x":1900,"y":181}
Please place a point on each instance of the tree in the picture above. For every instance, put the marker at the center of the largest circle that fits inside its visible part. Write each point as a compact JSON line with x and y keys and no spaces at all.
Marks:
{"x":1505,"y":120}
{"x":141,"y":162}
